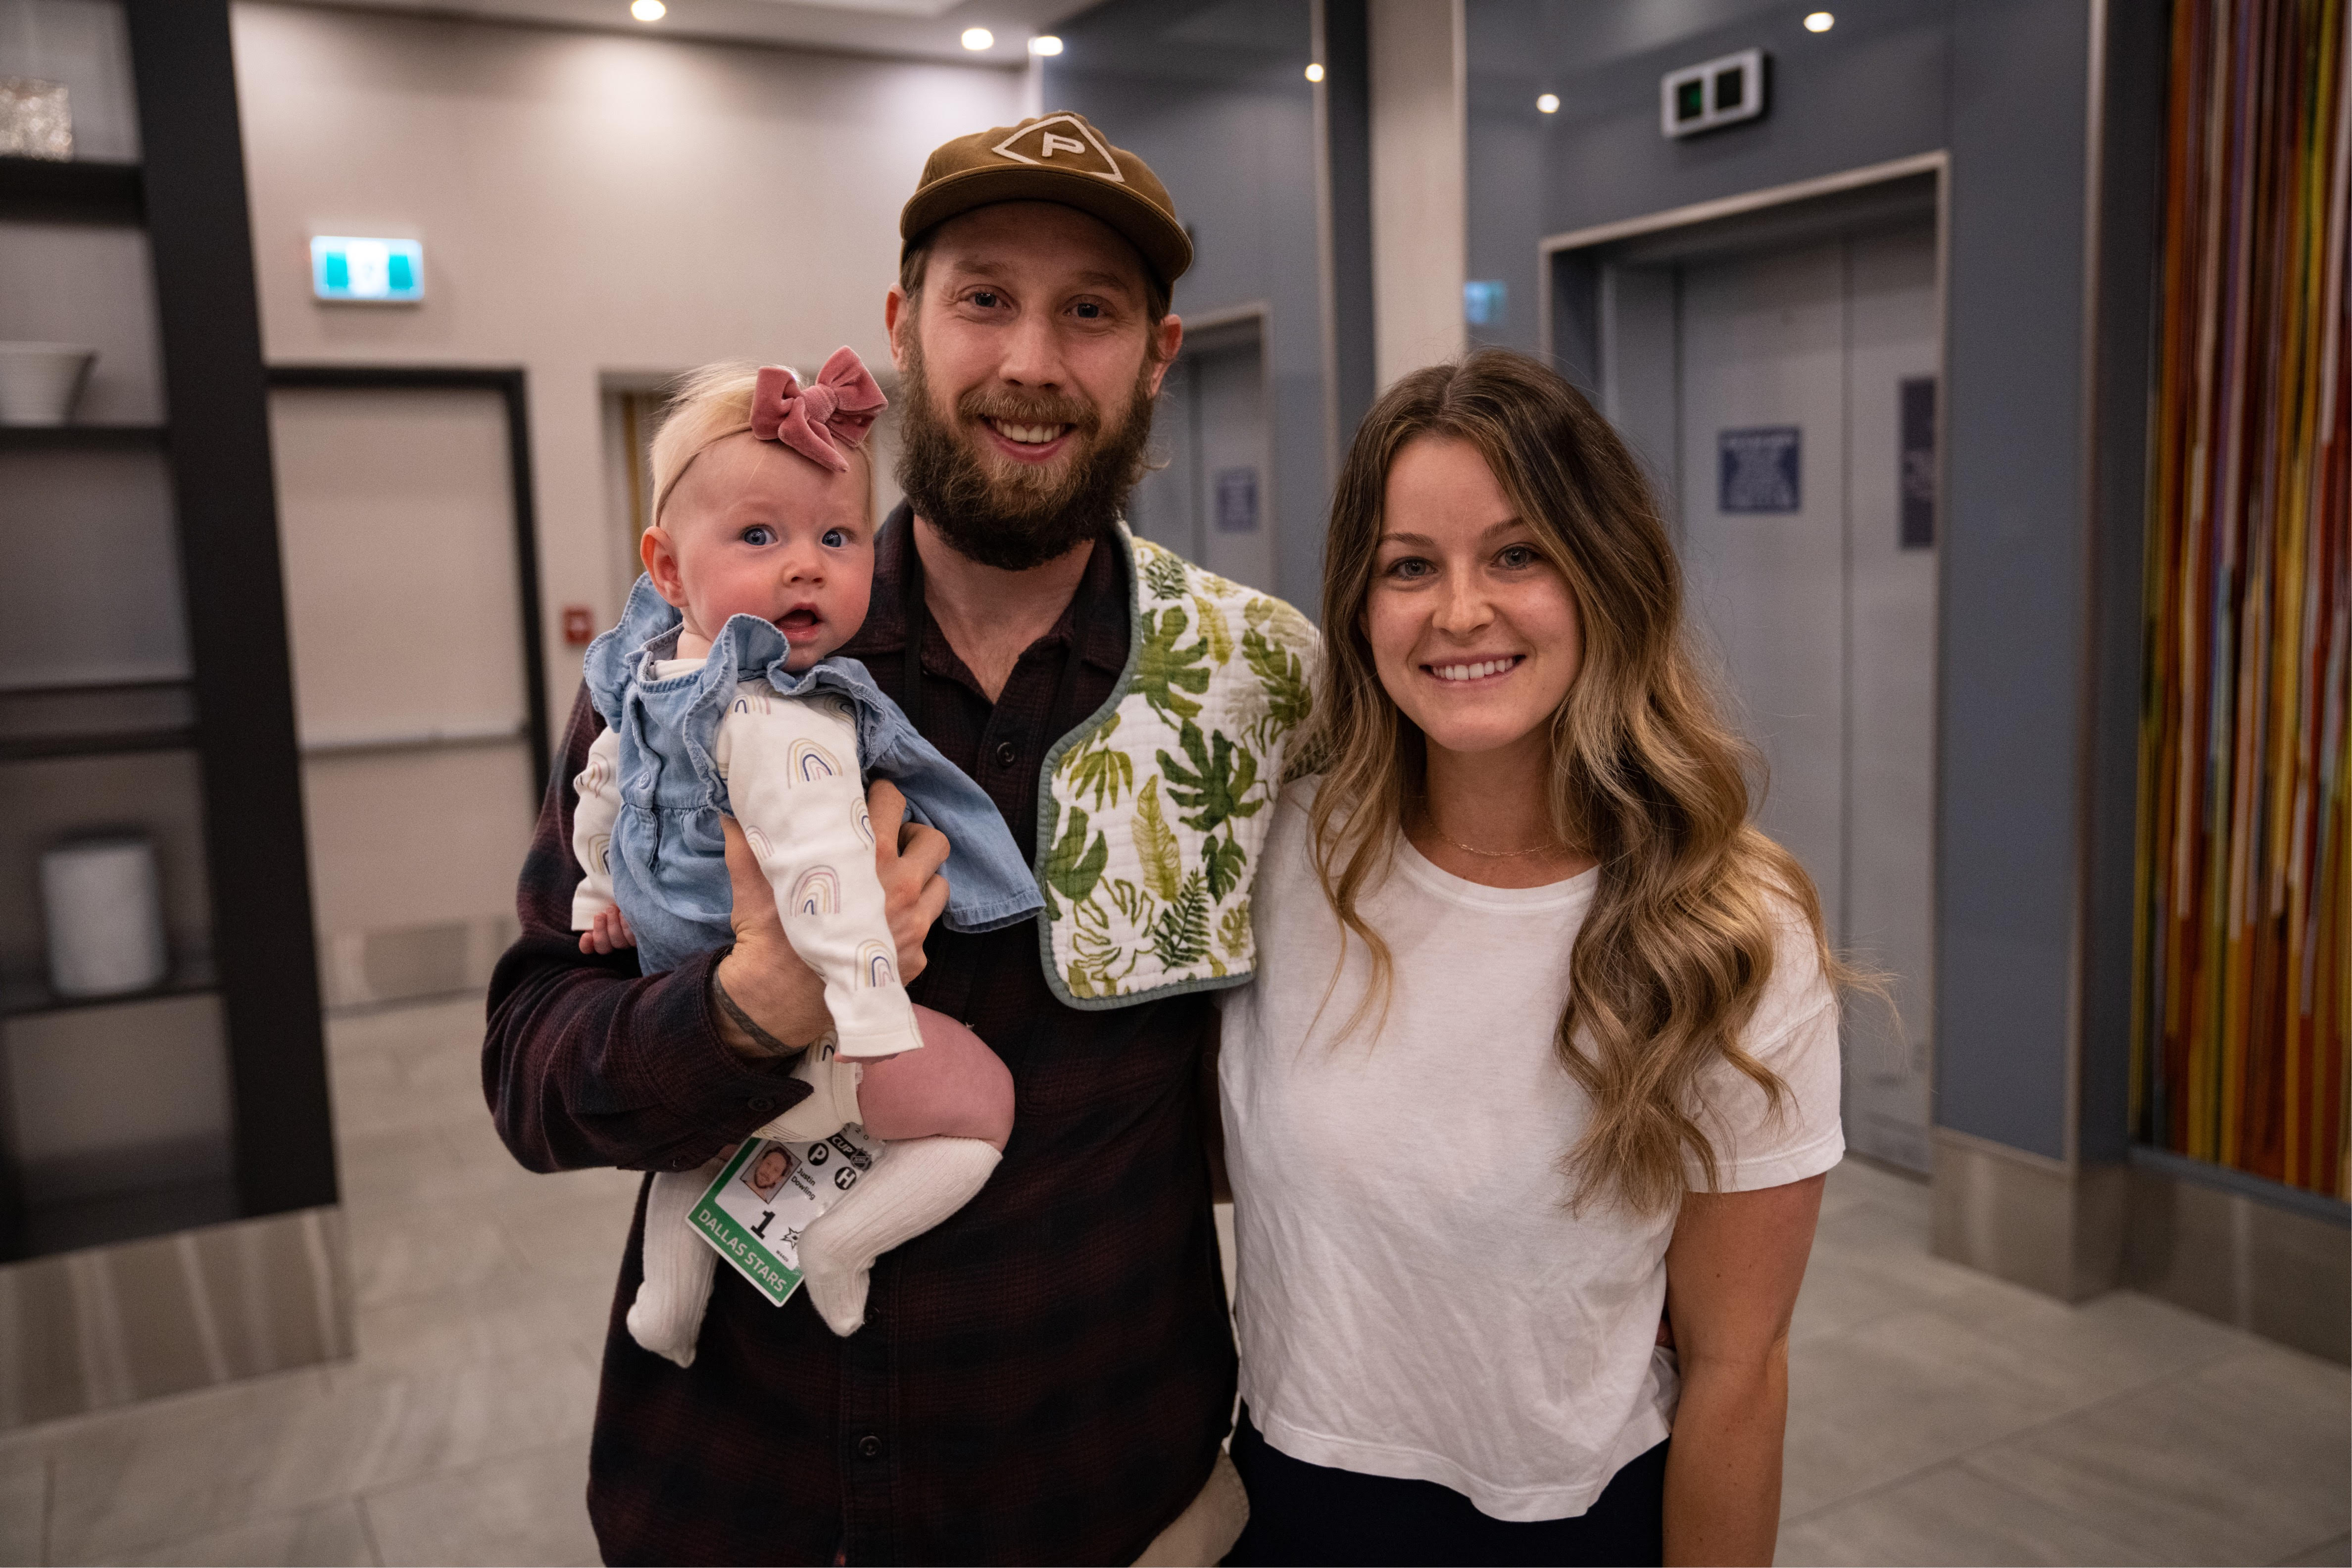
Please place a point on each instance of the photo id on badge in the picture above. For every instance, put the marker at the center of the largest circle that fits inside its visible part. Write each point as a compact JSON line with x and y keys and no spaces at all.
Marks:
{"x":769,"y":1194}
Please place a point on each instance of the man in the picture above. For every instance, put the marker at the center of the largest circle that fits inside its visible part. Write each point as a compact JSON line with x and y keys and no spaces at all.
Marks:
{"x":1048,"y":1376}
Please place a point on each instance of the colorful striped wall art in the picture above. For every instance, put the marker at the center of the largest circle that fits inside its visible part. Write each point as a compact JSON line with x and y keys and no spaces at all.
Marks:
{"x":2243,"y":997}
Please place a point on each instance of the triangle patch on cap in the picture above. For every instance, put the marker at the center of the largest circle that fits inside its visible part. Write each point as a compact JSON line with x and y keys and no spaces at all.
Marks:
{"x":1062,"y":142}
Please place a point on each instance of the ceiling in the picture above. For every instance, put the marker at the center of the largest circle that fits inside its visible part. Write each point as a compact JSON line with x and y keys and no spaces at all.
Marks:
{"x":925,"y":29}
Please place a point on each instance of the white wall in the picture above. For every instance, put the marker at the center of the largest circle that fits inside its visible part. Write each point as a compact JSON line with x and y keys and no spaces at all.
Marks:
{"x":588,"y":203}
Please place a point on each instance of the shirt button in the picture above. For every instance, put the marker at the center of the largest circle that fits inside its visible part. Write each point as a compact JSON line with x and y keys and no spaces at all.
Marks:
{"x":1006,"y":754}
{"x":761,"y":1104}
{"x":870,"y":1446}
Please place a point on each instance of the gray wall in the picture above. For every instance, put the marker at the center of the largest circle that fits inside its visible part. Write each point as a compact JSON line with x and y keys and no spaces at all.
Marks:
{"x":1213,"y":95}
{"x":2015,"y":599}
{"x":1870,"y":88}
{"x":2002,"y":86}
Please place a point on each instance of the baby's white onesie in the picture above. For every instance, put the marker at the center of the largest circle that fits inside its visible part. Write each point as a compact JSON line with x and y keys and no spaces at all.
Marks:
{"x":793,"y":782}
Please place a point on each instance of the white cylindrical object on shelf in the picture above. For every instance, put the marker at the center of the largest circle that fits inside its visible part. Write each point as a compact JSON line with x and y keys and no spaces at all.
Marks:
{"x":104,"y":907}
{"x":38,"y":382}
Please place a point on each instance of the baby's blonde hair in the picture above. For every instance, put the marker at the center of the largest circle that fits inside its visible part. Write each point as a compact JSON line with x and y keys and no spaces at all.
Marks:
{"x":709,"y":404}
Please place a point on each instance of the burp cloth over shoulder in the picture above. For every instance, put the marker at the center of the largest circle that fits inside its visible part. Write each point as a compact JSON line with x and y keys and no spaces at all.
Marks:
{"x":1152,"y":812}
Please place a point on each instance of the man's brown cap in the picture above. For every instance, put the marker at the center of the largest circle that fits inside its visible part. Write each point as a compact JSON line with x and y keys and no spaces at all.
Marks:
{"x":1053,"y":158}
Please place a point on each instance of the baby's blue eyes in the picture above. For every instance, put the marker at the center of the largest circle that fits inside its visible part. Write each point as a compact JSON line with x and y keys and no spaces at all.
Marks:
{"x":759,"y":535}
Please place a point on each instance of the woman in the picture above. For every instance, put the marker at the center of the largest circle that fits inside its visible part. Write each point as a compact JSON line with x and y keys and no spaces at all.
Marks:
{"x":1545,"y":1038}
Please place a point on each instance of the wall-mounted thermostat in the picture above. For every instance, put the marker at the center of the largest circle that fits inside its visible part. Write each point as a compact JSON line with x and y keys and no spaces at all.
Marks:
{"x":373,"y":271}
{"x":1721,"y":92}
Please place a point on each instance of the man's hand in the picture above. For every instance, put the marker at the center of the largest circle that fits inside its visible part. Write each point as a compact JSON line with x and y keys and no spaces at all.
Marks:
{"x":906,"y":857}
{"x":764,"y":975}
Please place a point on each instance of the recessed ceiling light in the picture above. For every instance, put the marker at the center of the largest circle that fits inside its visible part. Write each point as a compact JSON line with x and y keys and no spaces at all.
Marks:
{"x":1548,"y":103}
{"x":1820,"y":22}
{"x":1314,"y":73}
{"x":648,"y":10}
{"x":978,"y":39}
{"x":1044,"y":44}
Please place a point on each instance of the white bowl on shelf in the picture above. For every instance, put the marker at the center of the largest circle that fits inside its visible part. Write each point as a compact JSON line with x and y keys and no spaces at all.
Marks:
{"x":39,"y":382}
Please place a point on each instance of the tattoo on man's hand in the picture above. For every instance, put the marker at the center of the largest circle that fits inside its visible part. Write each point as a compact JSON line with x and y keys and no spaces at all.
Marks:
{"x":744,"y":1021}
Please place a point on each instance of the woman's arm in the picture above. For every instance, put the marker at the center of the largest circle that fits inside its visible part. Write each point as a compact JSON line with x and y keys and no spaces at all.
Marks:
{"x":1732,"y":1273}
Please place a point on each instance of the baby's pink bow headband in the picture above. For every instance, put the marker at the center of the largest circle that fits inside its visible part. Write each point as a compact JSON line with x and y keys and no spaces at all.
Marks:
{"x":833,"y":412}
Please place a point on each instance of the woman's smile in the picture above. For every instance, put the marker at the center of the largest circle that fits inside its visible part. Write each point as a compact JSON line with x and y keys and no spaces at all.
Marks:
{"x":1482,"y":670}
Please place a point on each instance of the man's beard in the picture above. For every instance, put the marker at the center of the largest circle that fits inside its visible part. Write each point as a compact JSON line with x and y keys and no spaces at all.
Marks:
{"x":1016,"y":516}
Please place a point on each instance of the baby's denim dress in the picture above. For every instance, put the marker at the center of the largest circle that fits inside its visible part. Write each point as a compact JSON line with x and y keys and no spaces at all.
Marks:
{"x":669,"y":854}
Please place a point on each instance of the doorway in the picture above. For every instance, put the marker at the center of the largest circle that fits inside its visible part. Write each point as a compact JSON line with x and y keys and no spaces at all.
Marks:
{"x":1212,"y":500}
{"x":404,"y":508}
{"x":1781,"y":378}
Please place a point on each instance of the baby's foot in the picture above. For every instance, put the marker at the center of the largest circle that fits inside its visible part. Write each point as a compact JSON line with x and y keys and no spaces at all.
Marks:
{"x":836,"y":1273}
{"x":912,"y":1188}
{"x":667,"y":1314}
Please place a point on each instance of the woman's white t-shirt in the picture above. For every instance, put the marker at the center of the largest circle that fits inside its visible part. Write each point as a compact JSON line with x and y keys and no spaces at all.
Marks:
{"x":1415,"y":1298}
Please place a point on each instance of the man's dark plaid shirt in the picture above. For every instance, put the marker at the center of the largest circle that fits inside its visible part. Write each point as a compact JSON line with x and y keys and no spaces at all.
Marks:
{"x":1047,"y":1376}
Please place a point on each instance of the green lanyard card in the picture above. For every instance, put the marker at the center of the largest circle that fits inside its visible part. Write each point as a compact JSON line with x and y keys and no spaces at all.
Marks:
{"x":770,"y":1192}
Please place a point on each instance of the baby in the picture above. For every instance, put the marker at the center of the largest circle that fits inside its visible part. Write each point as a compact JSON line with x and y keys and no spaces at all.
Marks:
{"x":720,"y":696}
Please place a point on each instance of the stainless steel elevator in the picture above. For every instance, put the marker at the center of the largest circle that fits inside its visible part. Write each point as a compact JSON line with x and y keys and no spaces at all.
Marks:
{"x":1780,"y":375}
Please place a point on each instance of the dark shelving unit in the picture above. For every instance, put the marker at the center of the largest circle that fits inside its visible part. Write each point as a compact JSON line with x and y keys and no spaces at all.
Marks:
{"x":78,"y":437}
{"x":121,"y":743}
{"x":232,"y":712}
{"x":190,"y":976}
{"x":82,"y":192}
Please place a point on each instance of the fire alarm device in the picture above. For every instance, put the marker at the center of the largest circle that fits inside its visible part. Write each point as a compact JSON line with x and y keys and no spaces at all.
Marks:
{"x":1714,"y":93}
{"x":579,"y":624}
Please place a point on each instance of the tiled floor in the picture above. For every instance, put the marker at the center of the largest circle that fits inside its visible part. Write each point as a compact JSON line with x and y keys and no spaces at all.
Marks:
{"x":1936,"y":1417}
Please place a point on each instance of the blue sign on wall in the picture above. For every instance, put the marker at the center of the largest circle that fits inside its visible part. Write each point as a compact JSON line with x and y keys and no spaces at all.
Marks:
{"x":376,"y":272}
{"x":1759,"y":470}
{"x":1236,"y":500}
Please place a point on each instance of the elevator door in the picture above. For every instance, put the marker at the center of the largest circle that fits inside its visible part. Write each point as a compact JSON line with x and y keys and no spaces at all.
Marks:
{"x":1212,"y":498}
{"x":1806,"y":475}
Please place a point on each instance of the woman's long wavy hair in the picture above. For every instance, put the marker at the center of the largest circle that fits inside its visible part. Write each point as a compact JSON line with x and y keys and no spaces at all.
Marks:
{"x":1677,"y":945}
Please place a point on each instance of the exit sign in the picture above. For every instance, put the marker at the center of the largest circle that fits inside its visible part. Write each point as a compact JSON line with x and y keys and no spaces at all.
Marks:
{"x":372,"y":271}
{"x":1713,"y":92}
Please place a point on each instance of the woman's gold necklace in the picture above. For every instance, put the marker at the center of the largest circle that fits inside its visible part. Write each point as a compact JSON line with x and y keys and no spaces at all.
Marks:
{"x":1555,"y":846}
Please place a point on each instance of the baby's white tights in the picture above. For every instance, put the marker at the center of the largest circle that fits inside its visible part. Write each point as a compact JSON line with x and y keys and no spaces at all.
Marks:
{"x":916,"y":1185}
